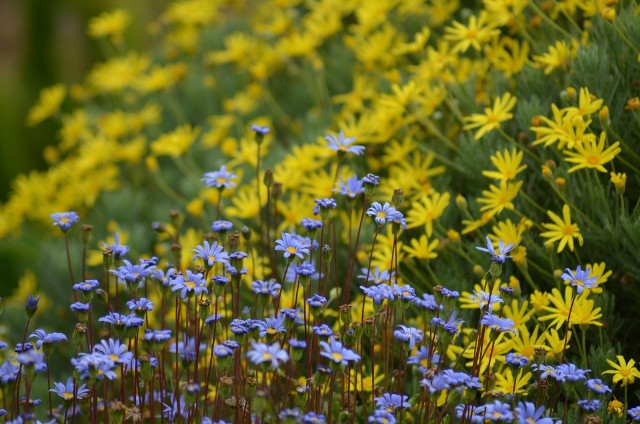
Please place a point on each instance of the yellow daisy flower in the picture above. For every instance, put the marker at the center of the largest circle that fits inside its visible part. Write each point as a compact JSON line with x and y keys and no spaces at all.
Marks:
{"x":507,"y":383}
{"x":478,"y":32}
{"x":426,"y":210}
{"x":422,"y":248}
{"x":50,"y":100}
{"x":562,"y":229}
{"x":492,"y":117}
{"x":583,"y":312}
{"x":507,"y":165}
{"x":623,"y":371}
{"x":556,"y":58}
{"x":498,"y":198}
{"x":110,"y":24}
{"x":591,"y":155}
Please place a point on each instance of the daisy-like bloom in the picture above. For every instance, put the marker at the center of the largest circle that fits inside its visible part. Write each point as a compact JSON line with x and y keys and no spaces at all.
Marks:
{"x":422,"y":248}
{"x":313,"y":418}
{"x":583,"y":312}
{"x":589,"y":405}
{"x":311,"y":224}
{"x":116,"y":250}
{"x":571,"y":373}
{"x":86,"y":286}
{"x":478,"y":32}
{"x":498,"y":198}
{"x":378,"y":293}
{"x":64,"y":220}
{"x":527,"y":413}
{"x":424,"y":359}
{"x":556,"y":58}
{"x":634,"y":413}
{"x":48,"y":105}
{"x":623,"y":372}
{"x":382,"y":416}
{"x":497,"y":324}
{"x":262,"y":353}
{"x":95,"y":365}
{"x":337,"y":353}
{"x":500,"y":255}
{"x":221,"y":226}
{"x":343,"y":144}
{"x":262,"y":130}
{"x":271,"y":326}
{"x":376,"y":276}
{"x":427,"y":209}
{"x":615,"y":407}
{"x":492,"y":117}
{"x":266,"y":288}
{"x":114,"y":350}
{"x":597,"y":386}
{"x":66,"y":391}
{"x":408,"y":335}
{"x":580,"y":279}
{"x":190,"y":284}
{"x":562,"y":229}
{"x":220,"y":179}
{"x":132,"y":273}
{"x":352,"y":188}
{"x":498,"y":411}
{"x":110,"y":24}
{"x":391,"y":401}
{"x":381,"y":213}
{"x":323,"y":330}
{"x":507,"y":165}
{"x":291,"y":247}
{"x":210,"y":254}
{"x":592,"y":154}
{"x":516,"y":360}
{"x":46,"y":338}
{"x":140,"y":306}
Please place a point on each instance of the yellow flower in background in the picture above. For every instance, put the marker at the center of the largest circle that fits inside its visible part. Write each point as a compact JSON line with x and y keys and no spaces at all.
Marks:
{"x":615,"y":407}
{"x":518,"y":311}
{"x":191,"y":12}
{"x":479,"y":31}
{"x":582,"y":313}
{"x":508,"y":232}
{"x":556,"y":344}
{"x":624,"y":372}
{"x":492,"y":117}
{"x":539,"y":300}
{"x":496,"y":199}
{"x":48,"y":104}
{"x":118,"y":73}
{"x":588,"y":104}
{"x":507,"y":165}
{"x":470,"y":226}
{"x":508,"y":384}
{"x":562,"y":229}
{"x":524,"y":342}
{"x":619,"y":181}
{"x":422,"y":248}
{"x":110,"y":24}
{"x":590,"y":155}
{"x":175,"y":143}
{"x":160,"y":78}
{"x":556,"y":58}
{"x":426,"y":210}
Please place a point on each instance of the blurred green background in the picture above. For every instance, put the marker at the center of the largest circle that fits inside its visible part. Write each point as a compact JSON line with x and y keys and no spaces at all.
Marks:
{"x":43,"y":43}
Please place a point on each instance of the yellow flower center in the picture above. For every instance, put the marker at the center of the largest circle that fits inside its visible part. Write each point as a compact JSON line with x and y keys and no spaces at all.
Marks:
{"x":266,"y":355}
{"x":113,"y":357}
{"x":381,"y":214}
{"x":292,"y":249}
{"x":67,"y":396}
{"x":221,"y":180}
{"x":593,"y":160}
{"x":568,"y":230}
{"x":579,"y":283}
{"x":337,"y":356}
{"x":64,"y":219}
{"x":190,"y":284}
{"x":271,"y":331}
{"x":472,"y":34}
{"x":492,"y":118}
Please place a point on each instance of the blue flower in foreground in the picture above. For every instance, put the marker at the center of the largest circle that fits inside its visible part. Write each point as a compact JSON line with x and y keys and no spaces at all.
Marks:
{"x":190,"y":284}
{"x":597,"y":386}
{"x":498,"y":411}
{"x":291,"y":246}
{"x":589,"y":405}
{"x":64,"y":220}
{"x":316,"y":301}
{"x":158,"y":336}
{"x":500,"y":255}
{"x":424,"y":359}
{"x":337,"y":353}
{"x":271,"y":326}
{"x":80,"y":307}
{"x":580,"y":279}
{"x":116,"y":250}
{"x":634,"y":413}
{"x":408,"y":335}
{"x":473,"y":414}
{"x":497,"y":324}
{"x":94,"y":365}
{"x":132,"y":273}
{"x":371,"y":180}
{"x":378,"y":293}
{"x":548,"y":371}
{"x":571,"y":373}
{"x":343,"y":144}
{"x":381,"y":213}
{"x":222,"y":351}
{"x":516,"y":360}
{"x":382,"y":416}
{"x":436,"y":384}
{"x":65,"y":391}
{"x":351,"y":188}
{"x":262,"y":353}
{"x":210,"y":254}
{"x":221,"y":226}
{"x":323,"y":330}
{"x":114,"y":350}
{"x":141,"y":305}
{"x":220,"y":179}
{"x":527,"y":413}
{"x":86,"y":286}
{"x":391,"y":401}
{"x":47,"y":339}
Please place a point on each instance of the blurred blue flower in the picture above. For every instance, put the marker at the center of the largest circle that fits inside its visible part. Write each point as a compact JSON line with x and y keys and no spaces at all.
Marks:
{"x":219,"y":179}
{"x":64,"y":220}
{"x":498,"y":256}
{"x":342,"y":144}
{"x":351,"y":188}
{"x":271,"y":355}
{"x":291,"y":246}
{"x":337,"y":353}
{"x":580,"y":279}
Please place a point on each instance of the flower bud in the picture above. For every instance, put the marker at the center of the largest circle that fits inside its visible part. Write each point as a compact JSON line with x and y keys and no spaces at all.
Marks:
{"x":268,"y":178}
{"x":603,"y":116}
{"x":398,"y":197}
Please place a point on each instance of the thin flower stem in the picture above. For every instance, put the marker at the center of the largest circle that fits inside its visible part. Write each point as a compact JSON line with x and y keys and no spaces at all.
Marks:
{"x":70,"y":268}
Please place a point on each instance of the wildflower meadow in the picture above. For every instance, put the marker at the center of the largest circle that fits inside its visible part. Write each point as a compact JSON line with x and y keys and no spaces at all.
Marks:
{"x":321,"y":211}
